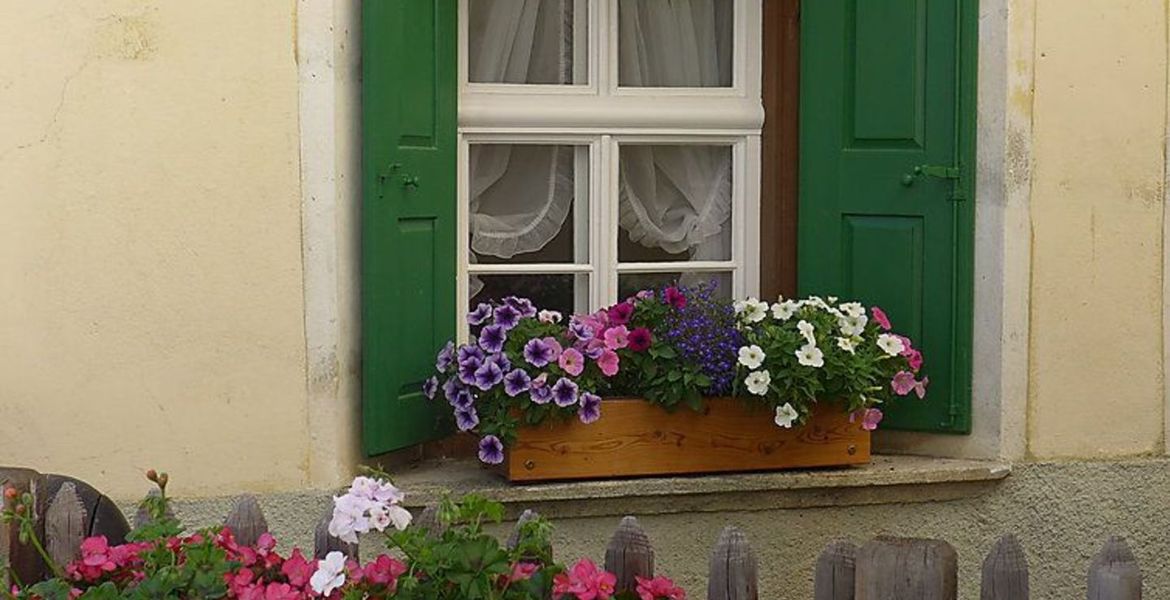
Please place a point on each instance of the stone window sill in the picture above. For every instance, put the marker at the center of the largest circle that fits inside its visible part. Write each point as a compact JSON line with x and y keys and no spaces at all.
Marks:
{"x":888,"y":479}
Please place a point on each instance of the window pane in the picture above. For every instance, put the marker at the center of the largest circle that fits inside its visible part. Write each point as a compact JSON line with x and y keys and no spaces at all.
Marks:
{"x":565,"y":293}
{"x":529,"y":203}
{"x":632,"y":283}
{"x":528,"y":41}
{"x":675,"y":203}
{"x":675,"y":43}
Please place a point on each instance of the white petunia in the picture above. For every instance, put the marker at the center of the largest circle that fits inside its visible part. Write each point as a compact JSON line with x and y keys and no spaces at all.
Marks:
{"x":852,"y":308}
{"x":783,"y":310}
{"x":810,"y":356}
{"x":751,"y":356}
{"x":549,"y":316}
{"x":758,"y":381}
{"x":847,"y":344}
{"x":852,"y":325}
{"x":832,"y":299}
{"x":786,"y":416}
{"x":330,"y":574}
{"x":754,"y":310}
{"x":806,"y":329}
{"x":890,"y":344}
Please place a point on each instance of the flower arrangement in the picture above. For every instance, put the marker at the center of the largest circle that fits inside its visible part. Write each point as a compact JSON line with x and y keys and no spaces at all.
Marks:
{"x":673,"y":347}
{"x":456,"y":561}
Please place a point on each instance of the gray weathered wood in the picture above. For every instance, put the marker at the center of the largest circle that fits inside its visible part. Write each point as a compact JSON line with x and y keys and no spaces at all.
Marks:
{"x":835,"y":571}
{"x":1114,"y":573}
{"x":428,"y":520}
{"x":629,"y":554}
{"x":246,"y":520}
{"x":906,"y":569}
{"x":323,"y":543}
{"x":734,"y":571}
{"x":1005,"y":571}
{"x":65,"y":525}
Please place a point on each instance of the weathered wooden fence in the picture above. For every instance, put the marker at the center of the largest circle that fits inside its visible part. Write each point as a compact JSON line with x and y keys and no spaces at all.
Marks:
{"x":885,"y":568}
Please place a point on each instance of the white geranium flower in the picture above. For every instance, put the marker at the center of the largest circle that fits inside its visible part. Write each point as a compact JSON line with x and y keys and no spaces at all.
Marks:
{"x":783,"y":310}
{"x":806,"y":329}
{"x":330,"y":574}
{"x":751,"y":356}
{"x":399,"y":516}
{"x":890,"y":344}
{"x":852,"y":325}
{"x":754,"y":310}
{"x":786,"y":416}
{"x":847,"y":344}
{"x":758,"y":381}
{"x":349,"y":517}
{"x":810,"y":356}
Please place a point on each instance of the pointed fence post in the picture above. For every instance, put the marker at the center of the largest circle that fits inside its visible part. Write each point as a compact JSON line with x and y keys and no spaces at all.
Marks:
{"x":428,"y":519}
{"x":1005,"y":571}
{"x":65,"y":525}
{"x":143,"y":518}
{"x":246,"y":520}
{"x":1114,"y":573}
{"x":323,"y":543}
{"x":734,"y":572}
{"x":836,"y":567}
{"x":891,"y":568}
{"x":514,"y":538}
{"x":629,"y":555}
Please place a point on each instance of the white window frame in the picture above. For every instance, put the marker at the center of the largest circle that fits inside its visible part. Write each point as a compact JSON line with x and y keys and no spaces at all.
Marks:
{"x":602,"y":116}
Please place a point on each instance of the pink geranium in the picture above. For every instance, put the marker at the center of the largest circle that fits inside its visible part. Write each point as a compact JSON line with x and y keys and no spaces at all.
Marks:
{"x":659,"y":588}
{"x":879,"y":315}
{"x":584,"y":581}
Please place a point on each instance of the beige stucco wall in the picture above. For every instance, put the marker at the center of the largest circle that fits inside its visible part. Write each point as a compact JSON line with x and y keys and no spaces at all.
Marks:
{"x":1099,"y":132}
{"x":151,"y":308}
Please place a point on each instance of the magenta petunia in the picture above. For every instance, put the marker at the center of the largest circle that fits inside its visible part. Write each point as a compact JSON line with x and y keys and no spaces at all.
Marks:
{"x":620,"y":313}
{"x":675,"y":297}
{"x":640,"y":339}
{"x":609,"y":363}
{"x":879,"y":315}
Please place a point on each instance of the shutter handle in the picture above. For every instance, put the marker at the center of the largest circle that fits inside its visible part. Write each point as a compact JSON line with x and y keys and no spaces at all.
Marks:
{"x":410,"y":181}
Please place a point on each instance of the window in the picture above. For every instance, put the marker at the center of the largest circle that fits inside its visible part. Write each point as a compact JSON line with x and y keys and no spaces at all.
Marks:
{"x":606,"y":146}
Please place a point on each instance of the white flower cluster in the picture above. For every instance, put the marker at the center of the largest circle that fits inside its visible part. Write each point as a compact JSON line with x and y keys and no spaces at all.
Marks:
{"x":369,"y":504}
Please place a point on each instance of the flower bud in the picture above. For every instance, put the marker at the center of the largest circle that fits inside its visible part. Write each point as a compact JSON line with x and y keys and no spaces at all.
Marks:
{"x":163,"y":479}
{"x":152,"y":475}
{"x":19,"y":509}
{"x":10,"y":493}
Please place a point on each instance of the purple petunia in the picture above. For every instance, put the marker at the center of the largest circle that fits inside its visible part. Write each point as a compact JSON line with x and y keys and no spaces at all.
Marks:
{"x":564,"y":392}
{"x":538,"y":353}
{"x":581,"y":331}
{"x":524,"y":306}
{"x":466,"y":419}
{"x":595,"y":348}
{"x":590,"y":410}
{"x":492,"y":338}
{"x":501,"y":361}
{"x":481,"y":313}
{"x":539,"y":390}
{"x":491,"y":450}
{"x":451,"y":387}
{"x":469,"y":352}
{"x":463,"y":399}
{"x":516,"y":382}
{"x":430,"y":387}
{"x":445,"y":358}
{"x":467,"y":369}
{"x":507,"y":317}
{"x":488,"y":375}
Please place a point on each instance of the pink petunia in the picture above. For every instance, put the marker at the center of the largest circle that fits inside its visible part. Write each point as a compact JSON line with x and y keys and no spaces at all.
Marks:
{"x":675,"y":298}
{"x":914,"y":359}
{"x":920,"y":387}
{"x":617,"y":338}
{"x":608,"y":361}
{"x":572,"y":362}
{"x":879,"y":315}
{"x":620,"y":313}
{"x":554,"y":346}
{"x":903,"y":383}
{"x":870,"y":418}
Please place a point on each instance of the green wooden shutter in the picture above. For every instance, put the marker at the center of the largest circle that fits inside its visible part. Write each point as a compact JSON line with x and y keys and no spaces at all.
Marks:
{"x":408,"y":213}
{"x":887,"y":86}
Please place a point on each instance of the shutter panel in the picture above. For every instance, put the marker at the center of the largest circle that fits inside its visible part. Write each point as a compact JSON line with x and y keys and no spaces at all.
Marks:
{"x":408,"y":213}
{"x":884,"y":90}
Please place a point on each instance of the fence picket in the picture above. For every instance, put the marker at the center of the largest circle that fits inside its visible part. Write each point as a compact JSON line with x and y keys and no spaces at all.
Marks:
{"x":836,"y":567}
{"x":1114,"y":573}
{"x":65,"y":525}
{"x":734,"y":571}
{"x":906,"y":569}
{"x":323,"y":543}
{"x":629,"y":554}
{"x":1005,"y":571}
{"x":246,"y":520}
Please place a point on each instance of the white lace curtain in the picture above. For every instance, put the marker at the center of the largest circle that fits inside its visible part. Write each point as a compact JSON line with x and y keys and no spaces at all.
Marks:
{"x":676,"y":198}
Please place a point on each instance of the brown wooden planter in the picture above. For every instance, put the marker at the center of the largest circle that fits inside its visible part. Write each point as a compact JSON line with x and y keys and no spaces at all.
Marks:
{"x":636,"y":438}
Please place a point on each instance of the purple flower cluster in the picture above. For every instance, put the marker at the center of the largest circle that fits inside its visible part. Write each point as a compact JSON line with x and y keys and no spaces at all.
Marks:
{"x":703,"y":331}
